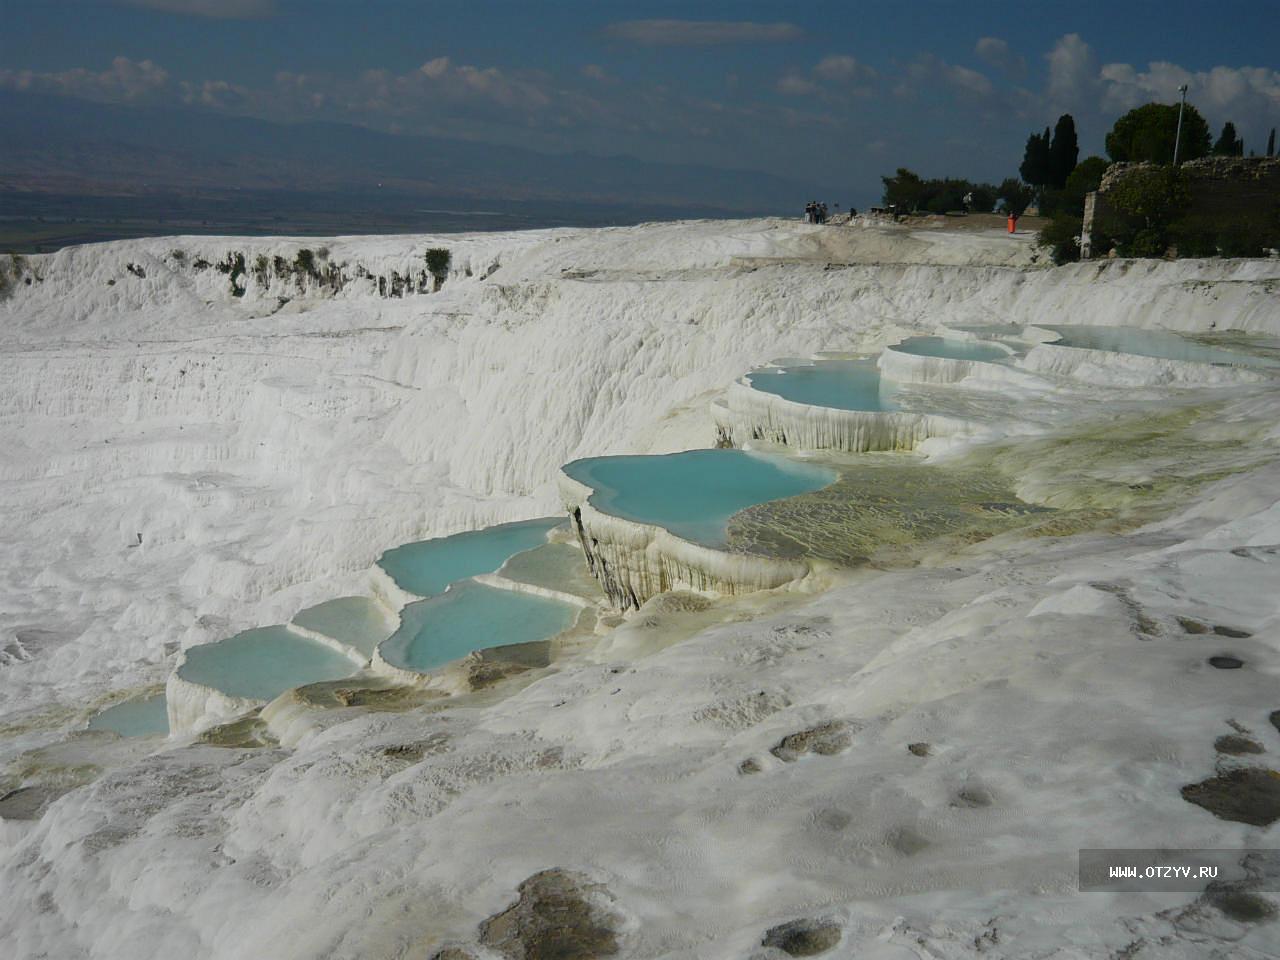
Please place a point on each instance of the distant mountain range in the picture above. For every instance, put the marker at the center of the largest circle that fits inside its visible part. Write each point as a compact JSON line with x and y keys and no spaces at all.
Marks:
{"x":74,"y":147}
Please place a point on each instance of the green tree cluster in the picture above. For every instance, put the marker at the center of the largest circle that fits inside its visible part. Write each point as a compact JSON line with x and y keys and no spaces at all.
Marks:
{"x":1144,"y":206}
{"x":1014,"y":195}
{"x":1228,"y":143}
{"x":1148,"y":133}
{"x":1062,"y":234}
{"x":1049,"y":160}
{"x":907,"y":191}
{"x":438,"y":261}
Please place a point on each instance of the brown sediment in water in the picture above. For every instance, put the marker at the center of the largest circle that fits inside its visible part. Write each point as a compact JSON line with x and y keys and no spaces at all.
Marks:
{"x":1109,"y":477}
{"x":882,"y":505}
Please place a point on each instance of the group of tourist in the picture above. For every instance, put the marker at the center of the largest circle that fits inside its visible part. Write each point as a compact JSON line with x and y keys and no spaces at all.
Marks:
{"x":815,"y":212}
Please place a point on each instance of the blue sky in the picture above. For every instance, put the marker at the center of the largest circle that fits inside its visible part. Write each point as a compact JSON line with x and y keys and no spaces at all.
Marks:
{"x":830,"y":93}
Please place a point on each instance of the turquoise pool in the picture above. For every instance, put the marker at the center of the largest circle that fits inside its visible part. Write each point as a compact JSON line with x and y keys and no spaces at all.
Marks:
{"x":1160,"y":344}
{"x":356,"y":621}
{"x":262,"y":663}
{"x":952,"y":349}
{"x":693,"y":494}
{"x":425,"y":568}
{"x":839,"y":384}
{"x":472,"y":616}
{"x":139,"y":717}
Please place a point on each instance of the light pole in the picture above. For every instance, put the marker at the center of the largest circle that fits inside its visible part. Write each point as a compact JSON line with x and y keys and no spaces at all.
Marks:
{"x":1177,"y":137}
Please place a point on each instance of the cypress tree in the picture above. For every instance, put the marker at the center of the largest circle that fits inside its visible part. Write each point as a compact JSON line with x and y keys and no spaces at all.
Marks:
{"x":1036,"y":169}
{"x":1229,"y":145}
{"x":1063,"y":152}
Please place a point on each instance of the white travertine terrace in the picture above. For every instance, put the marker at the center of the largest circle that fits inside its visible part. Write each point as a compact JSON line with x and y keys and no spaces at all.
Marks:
{"x":635,"y":561}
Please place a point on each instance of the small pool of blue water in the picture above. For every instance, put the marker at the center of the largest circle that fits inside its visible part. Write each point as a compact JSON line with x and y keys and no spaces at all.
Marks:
{"x":262,"y":663}
{"x":952,"y":349}
{"x":472,"y":616}
{"x":359,"y":622}
{"x":839,"y":384}
{"x":425,"y":568}
{"x":139,"y":717}
{"x":1160,"y":344}
{"x":693,"y":494}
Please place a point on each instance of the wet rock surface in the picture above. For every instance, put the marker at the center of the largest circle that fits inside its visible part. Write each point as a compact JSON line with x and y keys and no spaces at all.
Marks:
{"x":453,"y":953}
{"x":373,"y":694}
{"x":1241,"y":906}
{"x":882,"y":504}
{"x":411,"y":753}
{"x":489,"y":667}
{"x":803,"y":938}
{"x":560,"y":915}
{"x":1250,"y":796}
{"x":245,"y":733}
{"x":1233,"y":632}
{"x":28,"y":803}
{"x":1236,"y":745}
{"x":973,"y":796}
{"x":825,"y":739}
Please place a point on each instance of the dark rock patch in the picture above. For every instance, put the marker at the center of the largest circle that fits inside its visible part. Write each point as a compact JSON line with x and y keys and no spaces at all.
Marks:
{"x":28,"y":803}
{"x":495,"y":664}
{"x":1250,"y":795}
{"x":1275,"y":719}
{"x":1226,"y":662}
{"x":749,"y":765}
{"x":907,"y":841}
{"x":1192,"y":626}
{"x":919,"y":749}
{"x":1237,"y":745}
{"x":246,"y":733}
{"x":1232,"y":632}
{"x":453,"y":953}
{"x":825,"y":739}
{"x":973,"y":796}
{"x":1240,"y":905}
{"x":803,"y":938}
{"x":482,"y":675}
{"x":833,"y":820}
{"x":558,"y":916}
{"x":411,"y":753}
{"x":389,"y":697}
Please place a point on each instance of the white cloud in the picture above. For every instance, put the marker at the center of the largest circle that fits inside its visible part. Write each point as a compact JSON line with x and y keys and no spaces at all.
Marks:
{"x":214,"y":9}
{"x":795,"y":85}
{"x":1073,"y":76}
{"x":435,"y":68}
{"x":997,"y":53}
{"x":217,"y":95}
{"x":833,"y":76}
{"x":1219,"y":90}
{"x":701,"y":32}
{"x":125,"y":80}
{"x":842,"y":68}
{"x":929,"y":71}
{"x":968,"y":80}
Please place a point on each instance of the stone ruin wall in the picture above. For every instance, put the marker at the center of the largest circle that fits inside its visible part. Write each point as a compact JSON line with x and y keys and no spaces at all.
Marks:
{"x":1224,"y":188}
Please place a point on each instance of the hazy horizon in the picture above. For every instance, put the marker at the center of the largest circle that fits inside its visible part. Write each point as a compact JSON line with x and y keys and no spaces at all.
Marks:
{"x":647,"y":109}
